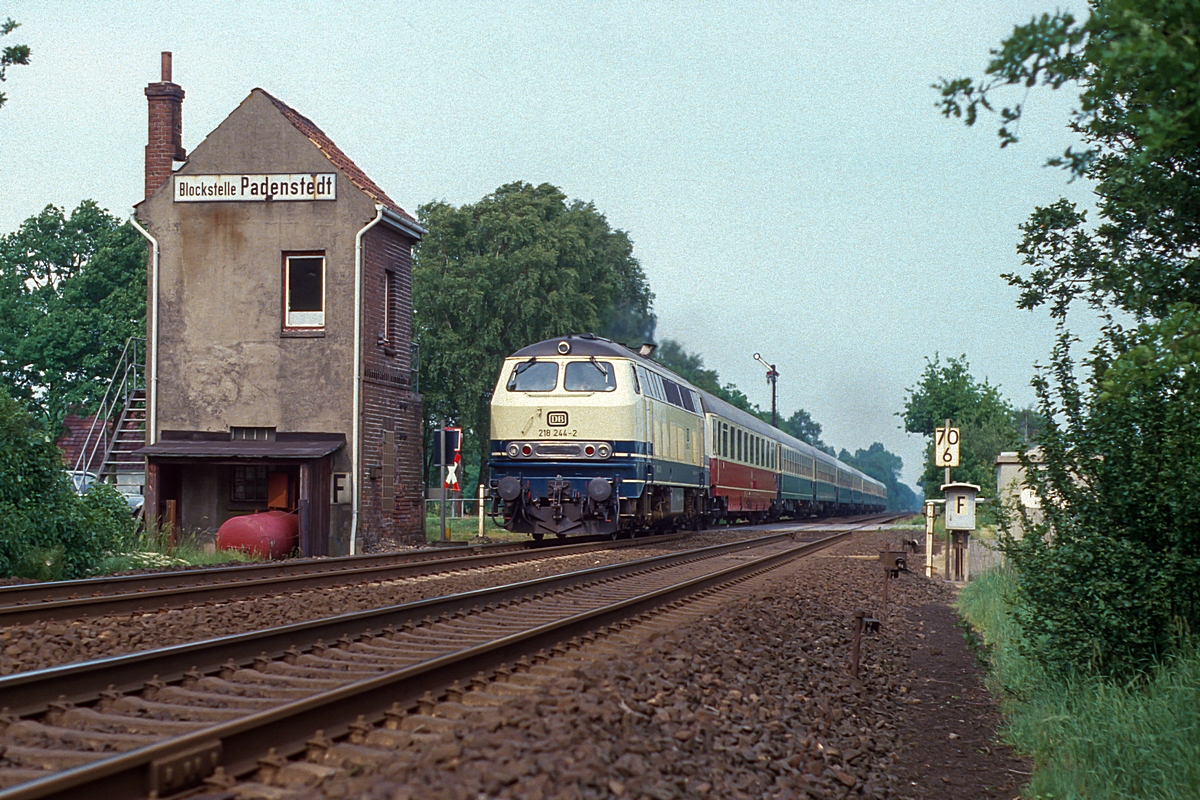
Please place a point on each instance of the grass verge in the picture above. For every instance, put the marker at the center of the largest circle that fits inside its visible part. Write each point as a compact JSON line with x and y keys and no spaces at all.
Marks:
{"x":1087,"y":738}
{"x":466,"y":529}
{"x":157,"y":551}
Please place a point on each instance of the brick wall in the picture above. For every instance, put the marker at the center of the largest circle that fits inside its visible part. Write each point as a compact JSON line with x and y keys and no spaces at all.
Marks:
{"x":391,"y":411}
{"x":165,"y":140}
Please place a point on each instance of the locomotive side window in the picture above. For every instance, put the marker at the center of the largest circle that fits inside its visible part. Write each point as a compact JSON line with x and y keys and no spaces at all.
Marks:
{"x":637,"y":384}
{"x":590,"y":376}
{"x":673,"y":393}
{"x":686,"y":396}
{"x":533,"y":376}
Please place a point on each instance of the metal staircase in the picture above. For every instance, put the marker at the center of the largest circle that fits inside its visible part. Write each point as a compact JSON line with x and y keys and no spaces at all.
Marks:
{"x":119,"y":427}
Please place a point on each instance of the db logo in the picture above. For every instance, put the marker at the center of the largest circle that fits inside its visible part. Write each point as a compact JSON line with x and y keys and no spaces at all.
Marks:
{"x":556,"y":419}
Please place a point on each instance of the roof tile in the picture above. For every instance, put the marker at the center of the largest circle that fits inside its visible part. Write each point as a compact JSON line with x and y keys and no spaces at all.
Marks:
{"x":334,"y":153}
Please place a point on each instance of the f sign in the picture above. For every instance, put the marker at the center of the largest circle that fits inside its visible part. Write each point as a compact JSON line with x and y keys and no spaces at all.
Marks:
{"x":340,"y":489}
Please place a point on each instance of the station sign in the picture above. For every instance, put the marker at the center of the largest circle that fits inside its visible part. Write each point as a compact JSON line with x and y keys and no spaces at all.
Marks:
{"x":255,"y":188}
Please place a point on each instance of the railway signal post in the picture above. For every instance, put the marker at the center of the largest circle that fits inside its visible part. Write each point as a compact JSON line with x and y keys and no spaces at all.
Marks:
{"x":448,"y":444}
{"x":773,"y":379}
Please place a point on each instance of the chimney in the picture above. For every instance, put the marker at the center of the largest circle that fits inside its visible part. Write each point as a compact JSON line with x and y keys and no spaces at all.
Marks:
{"x":165,"y":143}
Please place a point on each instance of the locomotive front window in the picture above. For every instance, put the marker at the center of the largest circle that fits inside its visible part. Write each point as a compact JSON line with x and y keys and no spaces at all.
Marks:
{"x":533,"y":376}
{"x":590,"y":376}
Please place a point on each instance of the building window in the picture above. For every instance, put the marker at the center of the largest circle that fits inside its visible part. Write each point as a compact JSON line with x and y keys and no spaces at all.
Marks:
{"x":249,"y":485}
{"x":239,"y":434}
{"x":390,"y":290}
{"x":304,"y":291}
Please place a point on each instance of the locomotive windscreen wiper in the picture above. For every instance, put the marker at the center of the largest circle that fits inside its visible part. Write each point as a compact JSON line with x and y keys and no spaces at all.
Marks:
{"x":603,"y":371}
{"x":524,"y":365}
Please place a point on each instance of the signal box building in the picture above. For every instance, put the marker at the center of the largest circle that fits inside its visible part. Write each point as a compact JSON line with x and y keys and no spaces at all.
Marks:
{"x":280,"y":371}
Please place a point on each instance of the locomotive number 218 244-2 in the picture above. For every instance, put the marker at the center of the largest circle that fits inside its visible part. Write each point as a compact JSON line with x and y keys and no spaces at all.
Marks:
{"x":558,"y":433}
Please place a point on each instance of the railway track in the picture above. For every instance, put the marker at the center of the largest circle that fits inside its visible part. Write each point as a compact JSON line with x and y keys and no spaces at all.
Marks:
{"x":70,"y":600}
{"x":159,"y":721}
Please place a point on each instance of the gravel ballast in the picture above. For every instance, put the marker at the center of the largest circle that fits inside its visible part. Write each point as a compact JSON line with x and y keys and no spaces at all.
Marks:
{"x":47,"y":644}
{"x":751,"y":700}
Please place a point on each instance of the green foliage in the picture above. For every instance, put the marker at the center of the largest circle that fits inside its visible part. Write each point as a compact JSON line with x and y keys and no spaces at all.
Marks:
{"x":1087,"y":737}
{"x":72,"y":292}
{"x":1113,"y":571}
{"x":885,"y":467}
{"x":1109,"y":578}
{"x":985,"y":419}
{"x":675,"y":357}
{"x":164,"y":548}
{"x":1136,"y":64}
{"x":801,"y":425}
{"x":46,"y":530}
{"x":690,"y":366}
{"x":12,"y":55}
{"x":521,"y":265}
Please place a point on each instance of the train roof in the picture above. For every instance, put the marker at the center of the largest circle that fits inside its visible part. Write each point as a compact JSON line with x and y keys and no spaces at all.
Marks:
{"x":589,"y":344}
{"x":584,"y":344}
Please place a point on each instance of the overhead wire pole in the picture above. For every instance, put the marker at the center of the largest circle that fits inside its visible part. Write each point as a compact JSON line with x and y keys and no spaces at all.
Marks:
{"x":773,"y":379}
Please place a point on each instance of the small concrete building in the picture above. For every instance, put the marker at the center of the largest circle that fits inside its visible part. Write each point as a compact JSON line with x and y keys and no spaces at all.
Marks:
{"x":1012,"y":491}
{"x":280,"y":369}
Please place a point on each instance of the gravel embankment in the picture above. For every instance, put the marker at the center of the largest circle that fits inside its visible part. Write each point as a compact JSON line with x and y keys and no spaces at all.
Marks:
{"x":39,"y":645}
{"x":753,"y":700}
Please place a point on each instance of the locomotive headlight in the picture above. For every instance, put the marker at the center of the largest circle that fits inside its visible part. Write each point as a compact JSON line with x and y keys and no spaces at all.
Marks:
{"x":604,"y":451}
{"x":589,"y":451}
{"x":526,"y":450}
{"x":513,"y":451}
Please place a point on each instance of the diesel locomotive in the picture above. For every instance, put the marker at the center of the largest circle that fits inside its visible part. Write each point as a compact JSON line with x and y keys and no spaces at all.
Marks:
{"x":590,"y":437}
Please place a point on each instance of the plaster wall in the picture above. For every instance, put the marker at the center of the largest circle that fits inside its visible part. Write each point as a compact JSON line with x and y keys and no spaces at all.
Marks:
{"x":223,"y":358}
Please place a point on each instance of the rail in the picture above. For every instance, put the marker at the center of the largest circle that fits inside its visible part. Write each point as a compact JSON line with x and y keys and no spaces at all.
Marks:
{"x":59,"y":600}
{"x":618,"y":592}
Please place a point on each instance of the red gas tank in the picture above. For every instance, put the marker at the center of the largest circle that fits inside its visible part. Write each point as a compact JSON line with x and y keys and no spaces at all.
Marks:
{"x":269,"y":534}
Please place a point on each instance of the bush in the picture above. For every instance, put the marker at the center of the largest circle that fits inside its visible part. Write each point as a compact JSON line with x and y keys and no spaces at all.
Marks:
{"x":46,"y":530}
{"x":1111,"y":578}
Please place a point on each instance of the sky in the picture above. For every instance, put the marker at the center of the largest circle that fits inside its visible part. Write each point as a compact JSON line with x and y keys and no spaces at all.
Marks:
{"x":781,"y":167}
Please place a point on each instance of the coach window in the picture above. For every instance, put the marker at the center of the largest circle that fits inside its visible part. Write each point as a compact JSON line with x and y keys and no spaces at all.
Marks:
{"x":304,"y":290}
{"x":590,"y":376}
{"x":724,"y":440}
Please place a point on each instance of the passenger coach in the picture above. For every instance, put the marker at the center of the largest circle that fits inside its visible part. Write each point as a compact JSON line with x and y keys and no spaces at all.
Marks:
{"x":590,"y":437}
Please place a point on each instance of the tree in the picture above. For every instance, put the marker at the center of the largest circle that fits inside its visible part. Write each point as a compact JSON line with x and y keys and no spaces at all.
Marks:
{"x":46,"y":530}
{"x":72,"y":292}
{"x":1107,"y":582}
{"x":984,"y":418}
{"x":690,"y":366}
{"x":801,"y":425}
{"x":11,"y":56}
{"x":520,"y":265}
{"x":1137,"y":65}
{"x":885,"y":467}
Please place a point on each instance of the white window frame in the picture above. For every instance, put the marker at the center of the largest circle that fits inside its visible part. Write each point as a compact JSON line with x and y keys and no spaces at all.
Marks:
{"x":317,"y":319}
